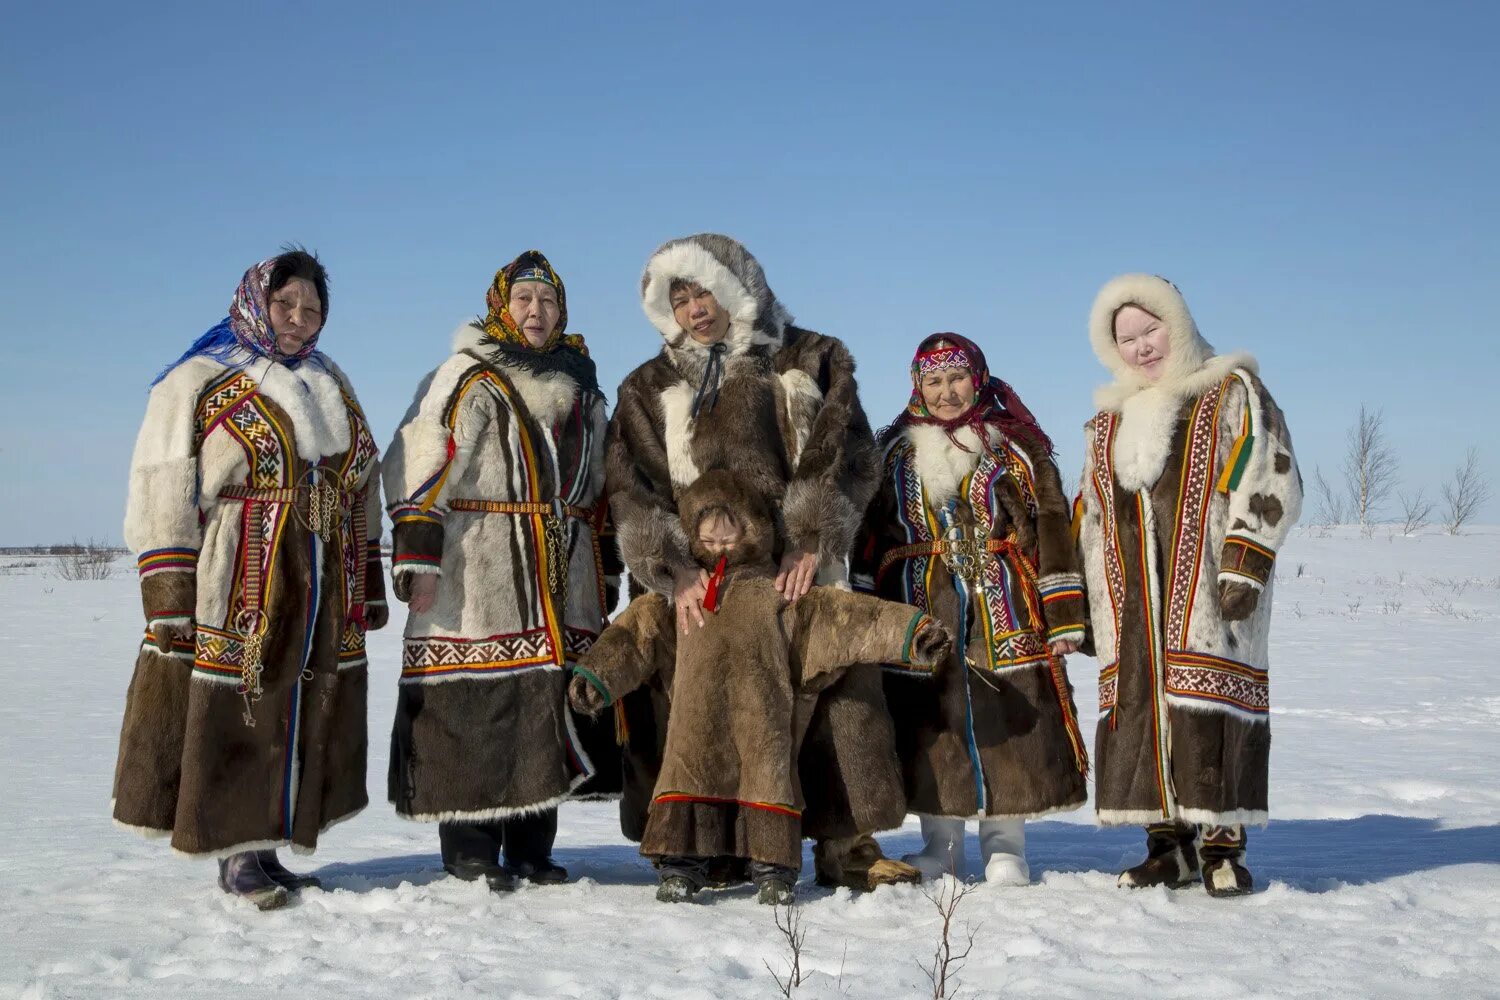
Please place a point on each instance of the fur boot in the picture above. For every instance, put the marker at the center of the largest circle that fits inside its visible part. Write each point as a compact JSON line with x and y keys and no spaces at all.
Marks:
{"x":1171,"y":859}
{"x":1002,"y":846}
{"x":858,"y":863}
{"x":242,"y":875}
{"x":942,"y":850}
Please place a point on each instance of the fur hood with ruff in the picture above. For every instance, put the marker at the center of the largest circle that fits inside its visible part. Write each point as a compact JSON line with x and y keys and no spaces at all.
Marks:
{"x":724,"y":267}
{"x":1191,"y":367}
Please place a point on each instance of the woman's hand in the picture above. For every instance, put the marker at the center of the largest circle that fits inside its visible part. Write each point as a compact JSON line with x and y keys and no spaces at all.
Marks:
{"x":1062,"y":647}
{"x":377,"y":616}
{"x":584,"y":697}
{"x":798,"y":570}
{"x":174,"y":633}
{"x":689,"y":587}
{"x":423,"y":592}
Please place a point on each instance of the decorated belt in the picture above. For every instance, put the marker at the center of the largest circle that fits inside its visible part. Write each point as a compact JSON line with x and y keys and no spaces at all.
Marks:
{"x":512,"y":507}
{"x":963,"y":557}
{"x":323,"y":508}
{"x":553,"y":530}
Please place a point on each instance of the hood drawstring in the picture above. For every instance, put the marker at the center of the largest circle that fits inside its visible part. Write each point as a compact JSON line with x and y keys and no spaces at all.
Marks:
{"x":708,"y":389}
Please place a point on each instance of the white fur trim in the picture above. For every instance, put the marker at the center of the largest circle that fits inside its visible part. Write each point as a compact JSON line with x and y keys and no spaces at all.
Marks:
{"x":1235,"y":817}
{"x":802,"y":396}
{"x":313,"y":397}
{"x":416,"y":568}
{"x":1234,"y":576}
{"x":224,"y":852}
{"x":1203,"y":706}
{"x":690,"y":261}
{"x":1005,"y":817}
{"x":485,"y":815}
{"x":1130,"y":817}
{"x":940,"y":465}
{"x":677,"y":431}
{"x":149,"y":832}
{"x":498,"y":676}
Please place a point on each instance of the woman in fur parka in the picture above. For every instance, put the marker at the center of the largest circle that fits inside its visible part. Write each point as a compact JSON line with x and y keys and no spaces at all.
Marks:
{"x":495,"y":480}
{"x":1189,"y":487}
{"x":741,"y":688}
{"x":971,"y":525}
{"x":255,"y":512}
{"x":738,"y":386}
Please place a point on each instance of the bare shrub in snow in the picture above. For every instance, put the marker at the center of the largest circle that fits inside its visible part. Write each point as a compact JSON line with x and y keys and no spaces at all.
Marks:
{"x":789,"y":923}
{"x":87,"y":561}
{"x":1369,"y":468}
{"x":1416,"y":511}
{"x":947,"y":958}
{"x":1391,"y":607}
{"x":1465,"y":493}
{"x":1330,"y":509}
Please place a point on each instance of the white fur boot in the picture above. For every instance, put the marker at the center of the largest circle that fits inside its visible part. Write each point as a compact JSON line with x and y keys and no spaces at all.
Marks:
{"x":943,"y":849}
{"x":1002,"y":845}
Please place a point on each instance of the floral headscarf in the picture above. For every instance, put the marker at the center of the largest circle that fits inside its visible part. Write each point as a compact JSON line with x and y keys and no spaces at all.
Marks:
{"x":531,"y":265}
{"x":995,"y":403}
{"x":247,"y":327}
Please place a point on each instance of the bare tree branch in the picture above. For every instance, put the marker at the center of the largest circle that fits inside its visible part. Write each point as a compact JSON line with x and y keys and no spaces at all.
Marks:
{"x":1465,"y":493}
{"x":1369,"y":467}
{"x":947,"y":959}
{"x":794,"y":934}
{"x":1416,"y":511}
{"x":1330,"y":504}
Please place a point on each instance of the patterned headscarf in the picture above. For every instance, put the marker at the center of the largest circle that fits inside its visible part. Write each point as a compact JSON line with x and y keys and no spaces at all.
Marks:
{"x":250,"y":316}
{"x":995,"y":403}
{"x":529,"y":266}
{"x":247,"y":327}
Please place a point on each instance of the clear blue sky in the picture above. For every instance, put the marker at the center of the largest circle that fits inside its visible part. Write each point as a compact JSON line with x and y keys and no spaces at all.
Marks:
{"x":1319,"y":179}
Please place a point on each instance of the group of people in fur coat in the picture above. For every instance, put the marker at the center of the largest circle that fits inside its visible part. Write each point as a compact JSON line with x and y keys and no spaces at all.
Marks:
{"x":828,"y":629}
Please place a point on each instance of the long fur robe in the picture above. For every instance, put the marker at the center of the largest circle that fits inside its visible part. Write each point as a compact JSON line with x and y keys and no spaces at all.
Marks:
{"x":482,"y":728}
{"x":743,"y":687}
{"x":190,"y":766}
{"x":1189,"y":488}
{"x":789,"y":421}
{"x":996,"y":735}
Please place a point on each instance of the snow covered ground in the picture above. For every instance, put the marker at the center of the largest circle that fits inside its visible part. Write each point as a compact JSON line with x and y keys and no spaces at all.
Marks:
{"x":1380,"y":873}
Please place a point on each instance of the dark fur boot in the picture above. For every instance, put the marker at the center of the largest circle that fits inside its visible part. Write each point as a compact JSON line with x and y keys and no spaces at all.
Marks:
{"x":241,"y":875}
{"x":1224,"y":871}
{"x":272,"y":866}
{"x":1171,"y":859}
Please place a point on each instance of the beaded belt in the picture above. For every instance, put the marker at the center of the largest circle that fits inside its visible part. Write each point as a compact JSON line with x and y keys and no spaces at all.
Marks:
{"x":553,"y":527}
{"x":323,"y":508}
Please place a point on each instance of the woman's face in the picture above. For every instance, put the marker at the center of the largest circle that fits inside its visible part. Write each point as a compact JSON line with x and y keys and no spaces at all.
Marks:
{"x":533,"y":305}
{"x":1142,"y":341}
{"x":296,"y":315}
{"x":948,"y":392}
{"x":699,"y":313}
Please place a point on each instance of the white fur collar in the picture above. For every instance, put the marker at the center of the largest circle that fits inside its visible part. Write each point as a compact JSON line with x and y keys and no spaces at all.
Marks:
{"x":548,"y":395}
{"x":1148,"y":415}
{"x":941,"y":465}
{"x":312,"y":396}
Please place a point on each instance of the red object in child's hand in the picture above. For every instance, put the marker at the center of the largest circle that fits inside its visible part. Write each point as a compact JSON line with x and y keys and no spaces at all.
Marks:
{"x":711,"y":599}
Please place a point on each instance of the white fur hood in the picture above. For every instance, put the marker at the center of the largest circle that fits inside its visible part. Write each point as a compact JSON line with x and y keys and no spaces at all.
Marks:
{"x":724,"y":267}
{"x":1191,"y":366}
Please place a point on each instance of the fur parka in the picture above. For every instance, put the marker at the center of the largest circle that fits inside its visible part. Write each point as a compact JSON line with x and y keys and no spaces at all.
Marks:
{"x":743,"y":688}
{"x":494,"y":481}
{"x":1189,"y":488}
{"x":997,"y":734}
{"x":224,"y":749}
{"x":788,"y":420}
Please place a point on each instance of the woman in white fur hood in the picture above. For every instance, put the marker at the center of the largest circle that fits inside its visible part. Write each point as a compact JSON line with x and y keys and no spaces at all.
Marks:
{"x":255,"y":510}
{"x":1189,"y":488}
{"x":970,"y":524}
{"x":495,"y":478}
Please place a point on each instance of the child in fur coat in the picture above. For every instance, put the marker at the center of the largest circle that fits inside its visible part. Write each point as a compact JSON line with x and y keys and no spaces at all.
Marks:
{"x":742,"y":687}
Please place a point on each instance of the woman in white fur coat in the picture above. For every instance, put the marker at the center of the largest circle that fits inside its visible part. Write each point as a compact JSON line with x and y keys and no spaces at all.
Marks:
{"x":970,"y":524}
{"x":1189,"y":488}
{"x":255,"y":510}
{"x":495,"y":480}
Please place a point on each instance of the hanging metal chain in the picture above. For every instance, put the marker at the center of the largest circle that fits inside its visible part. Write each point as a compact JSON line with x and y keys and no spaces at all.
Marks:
{"x":555,"y":533}
{"x":251,"y":625}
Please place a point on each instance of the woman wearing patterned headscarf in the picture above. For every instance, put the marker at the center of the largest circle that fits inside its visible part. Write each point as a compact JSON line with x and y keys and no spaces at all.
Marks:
{"x":255,"y":511}
{"x":494,"y":480}
{"x":971,"y":525}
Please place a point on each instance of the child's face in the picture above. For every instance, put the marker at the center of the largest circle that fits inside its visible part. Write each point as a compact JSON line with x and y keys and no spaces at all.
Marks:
{"x":718,"y":535}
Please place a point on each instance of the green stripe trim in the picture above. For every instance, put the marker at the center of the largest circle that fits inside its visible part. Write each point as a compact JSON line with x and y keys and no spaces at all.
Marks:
{"x":594,"y":680}
{"x":1240,"y":462}
{"x":911,"y":633}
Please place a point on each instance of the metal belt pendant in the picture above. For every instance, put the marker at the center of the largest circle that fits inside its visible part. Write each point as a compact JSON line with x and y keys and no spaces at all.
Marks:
{"x":327,"y":505}
{"x":555,"y":533}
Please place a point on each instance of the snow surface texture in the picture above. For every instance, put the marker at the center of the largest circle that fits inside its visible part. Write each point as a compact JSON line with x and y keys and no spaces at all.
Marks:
{"x":1379,"y":874}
